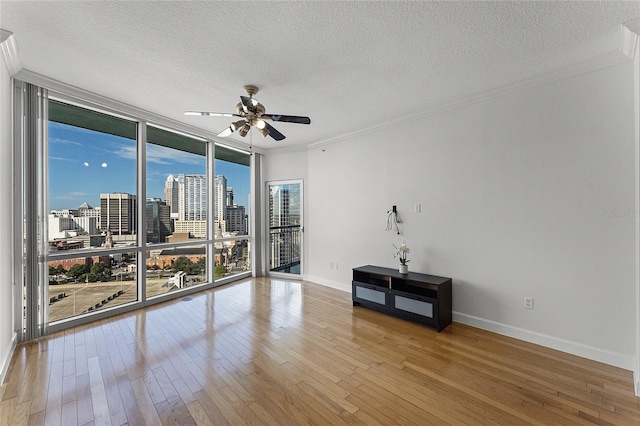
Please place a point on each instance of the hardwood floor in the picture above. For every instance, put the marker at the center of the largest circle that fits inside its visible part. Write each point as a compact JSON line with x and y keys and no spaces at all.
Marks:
{"x":267,"y":351}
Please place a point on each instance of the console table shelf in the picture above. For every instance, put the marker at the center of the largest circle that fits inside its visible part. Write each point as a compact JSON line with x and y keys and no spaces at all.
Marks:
{"x":422,"y":298}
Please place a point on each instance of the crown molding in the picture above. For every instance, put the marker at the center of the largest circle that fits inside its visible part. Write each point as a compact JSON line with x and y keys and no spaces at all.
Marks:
{"x":287,"y":150}
{"x":629,"y":32}
{"x":628,"y":38}
{"x":633,"y":26}
{"x":9,"y":49}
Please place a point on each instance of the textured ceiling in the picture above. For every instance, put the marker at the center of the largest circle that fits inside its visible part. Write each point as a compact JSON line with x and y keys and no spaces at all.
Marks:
{"x":347,"y":65}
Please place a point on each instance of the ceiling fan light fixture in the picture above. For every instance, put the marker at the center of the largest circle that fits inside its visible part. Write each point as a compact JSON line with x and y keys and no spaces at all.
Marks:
{"x":260,"y":124}
{"x":264,"y":132}
{"x":245,"y":129}
{"x":238,"y":124}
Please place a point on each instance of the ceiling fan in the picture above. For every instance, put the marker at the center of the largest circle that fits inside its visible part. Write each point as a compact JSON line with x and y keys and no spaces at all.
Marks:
{"x":253,"y":114}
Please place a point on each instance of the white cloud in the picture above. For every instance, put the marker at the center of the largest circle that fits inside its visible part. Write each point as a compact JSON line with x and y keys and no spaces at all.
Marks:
{"x":63,"y":141}
{"x":61,"y":159}
{"x":161,"y":155}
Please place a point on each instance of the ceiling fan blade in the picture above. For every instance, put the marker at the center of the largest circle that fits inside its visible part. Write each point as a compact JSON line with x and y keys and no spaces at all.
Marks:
{"x":233,"y":127}
{"x":273,"y":132}
{"x":226,"y":132}
{"x":248,"y":104}
{"x":288,"y":118}
{"x":211,"y":114}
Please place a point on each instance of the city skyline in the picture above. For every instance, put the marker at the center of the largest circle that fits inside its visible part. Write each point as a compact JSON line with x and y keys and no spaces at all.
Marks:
{"x":85,"y":163}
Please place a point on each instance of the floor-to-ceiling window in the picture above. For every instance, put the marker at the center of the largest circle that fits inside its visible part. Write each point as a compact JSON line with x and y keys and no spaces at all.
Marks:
{"x":177,"y":212}
{"x":232,"y":205}
{"x":91,"y":202}
{"x":120,"y":211}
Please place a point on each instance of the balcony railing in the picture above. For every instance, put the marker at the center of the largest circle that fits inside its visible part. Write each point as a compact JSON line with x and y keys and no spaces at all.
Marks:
{"x":284,"y":247}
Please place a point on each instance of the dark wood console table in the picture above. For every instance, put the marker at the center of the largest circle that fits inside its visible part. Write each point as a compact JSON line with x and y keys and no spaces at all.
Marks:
{"x":416,"y":297}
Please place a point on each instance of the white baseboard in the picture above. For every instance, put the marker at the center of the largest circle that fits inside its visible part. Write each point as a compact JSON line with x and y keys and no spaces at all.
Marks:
{"x":4,"y":366}
{"x":636,"y":377}
{"x":574,"y":348}
{"x":328,"y":283}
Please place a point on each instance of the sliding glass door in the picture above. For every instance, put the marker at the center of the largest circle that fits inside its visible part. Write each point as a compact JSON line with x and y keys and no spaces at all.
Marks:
{"x":286,"y":228}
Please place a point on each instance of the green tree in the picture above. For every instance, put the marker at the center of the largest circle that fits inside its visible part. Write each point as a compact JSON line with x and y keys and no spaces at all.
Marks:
{"x":57,"y":270}
{"x":220,"y":271}
{"x":183,"y":264}
{"x":201,"y":266}
{"x":77,"y":270}
{"x":99,"y":272}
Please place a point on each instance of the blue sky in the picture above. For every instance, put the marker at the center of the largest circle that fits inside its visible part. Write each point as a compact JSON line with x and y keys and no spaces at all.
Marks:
{"x":84,"y":163}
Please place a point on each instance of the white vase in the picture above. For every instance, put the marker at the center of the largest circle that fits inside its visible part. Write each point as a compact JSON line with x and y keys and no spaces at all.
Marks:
{"x":403,"y":269}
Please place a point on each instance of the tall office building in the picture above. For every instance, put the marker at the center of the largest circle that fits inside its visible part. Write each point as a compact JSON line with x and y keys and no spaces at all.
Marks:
{"x":192,"y":205}
{"x":279,"y":207}
{"x":172,"y":194}
{"x":229,"y":201}
{"x":158,"y":220}
{"x":220,"y":198}
{"x":118,"y":213}
{"x":85,"y":210}
{"x":235,"y":219}
{"x":284,"y":232}
{"x":192,"y":199}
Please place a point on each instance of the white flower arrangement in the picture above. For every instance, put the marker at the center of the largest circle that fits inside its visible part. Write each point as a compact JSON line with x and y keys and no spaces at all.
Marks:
{"x":401,"y":253}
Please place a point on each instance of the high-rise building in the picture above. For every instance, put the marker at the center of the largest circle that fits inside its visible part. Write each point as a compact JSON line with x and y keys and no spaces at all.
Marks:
{"x":279,"y":206}
{"x":158,"y":220}
{"x":229,"y":201}
{"x":220,"y":197}
{"x":235,"y":219}
{"x":85,"y":210}
{"x":118,"y":213}
{"x":172,"y":194}
{"x":192,"y":205}
{"x":192,"y":199}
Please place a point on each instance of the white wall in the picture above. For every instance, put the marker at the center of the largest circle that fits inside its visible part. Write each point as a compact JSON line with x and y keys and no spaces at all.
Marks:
{"x":7,"y":335}
{"x":527,"y":194}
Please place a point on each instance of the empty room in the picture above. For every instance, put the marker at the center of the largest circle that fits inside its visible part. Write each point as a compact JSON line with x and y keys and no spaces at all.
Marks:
{"x":313,"y":212}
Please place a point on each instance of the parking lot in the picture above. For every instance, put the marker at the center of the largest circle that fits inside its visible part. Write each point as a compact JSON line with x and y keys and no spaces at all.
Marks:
{"x":83,"y":297}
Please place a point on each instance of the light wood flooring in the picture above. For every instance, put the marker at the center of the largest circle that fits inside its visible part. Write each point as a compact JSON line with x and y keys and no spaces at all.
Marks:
{"x":270,"y":352}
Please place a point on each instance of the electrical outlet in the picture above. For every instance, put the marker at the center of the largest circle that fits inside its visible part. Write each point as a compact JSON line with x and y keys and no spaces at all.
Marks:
{"x":331,"y":265}
{"x":528,"y":302}
{"x":417,"y":208}
{"x":336,"y":264}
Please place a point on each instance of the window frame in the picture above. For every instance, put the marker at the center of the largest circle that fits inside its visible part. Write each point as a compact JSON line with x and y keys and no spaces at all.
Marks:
{"x":23,"y":141}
